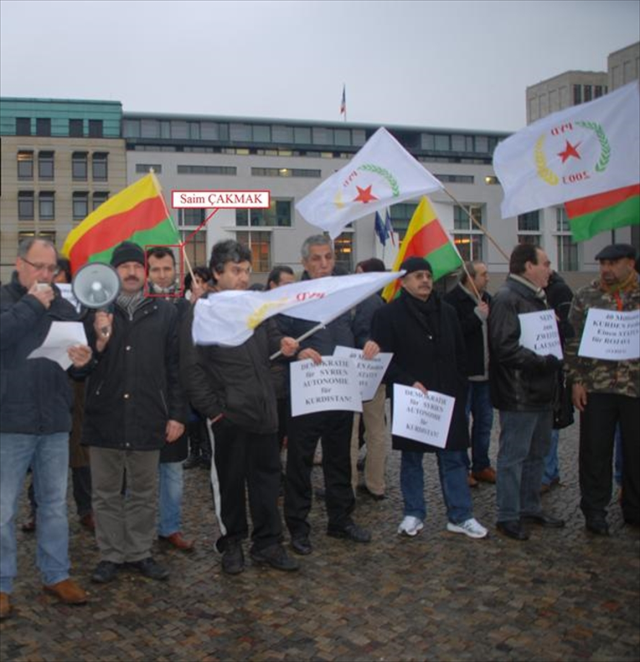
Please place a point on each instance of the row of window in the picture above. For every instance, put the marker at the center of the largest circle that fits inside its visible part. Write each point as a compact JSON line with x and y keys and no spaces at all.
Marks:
{"x":79,"y":166}
{"x":47,"y":204}
{"x":584,"y":93}
{"x":77,"y":128}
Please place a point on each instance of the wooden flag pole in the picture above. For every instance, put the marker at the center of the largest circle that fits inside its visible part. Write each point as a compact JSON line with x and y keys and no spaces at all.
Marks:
{"x":310,"y":332}
{"x":478,"y":225}
{"x":186,"y":259}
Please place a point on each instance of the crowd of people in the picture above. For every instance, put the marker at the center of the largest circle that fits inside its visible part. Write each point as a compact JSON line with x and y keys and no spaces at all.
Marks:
{"x":140,"y":403}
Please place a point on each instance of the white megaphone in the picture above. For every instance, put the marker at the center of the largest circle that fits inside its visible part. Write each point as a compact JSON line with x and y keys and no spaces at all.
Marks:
{"x":97,"y":285}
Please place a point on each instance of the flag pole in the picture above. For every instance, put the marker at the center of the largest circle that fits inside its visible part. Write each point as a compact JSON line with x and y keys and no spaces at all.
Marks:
{"x":310,"y":332}
{"x":464,"y":267}
{"x":478,"y":225}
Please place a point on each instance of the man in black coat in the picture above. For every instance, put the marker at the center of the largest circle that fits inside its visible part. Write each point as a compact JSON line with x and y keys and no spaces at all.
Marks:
{"x":523,"y":387}
{"x":134,"y":405}
{"x":424,"y":335}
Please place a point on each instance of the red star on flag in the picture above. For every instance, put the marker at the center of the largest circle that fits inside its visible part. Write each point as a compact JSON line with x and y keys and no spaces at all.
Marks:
{"x":569,"y":150}
{"x":364,"y":195}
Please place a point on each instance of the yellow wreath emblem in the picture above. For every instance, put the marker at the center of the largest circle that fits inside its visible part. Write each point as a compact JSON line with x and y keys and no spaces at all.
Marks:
{"x":544,"y":172}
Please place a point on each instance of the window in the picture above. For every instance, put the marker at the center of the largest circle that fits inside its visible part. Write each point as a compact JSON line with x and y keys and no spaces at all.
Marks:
{"x":282,"y":134}
{"x":99,"y":198}
{"x":567,"y":249}
{"x":45,"y":166}
{"x":261,"y":134}
{"x":23,"y":126}
{"x":285,"y":172}
{"x":209,"y":131}
{"x":100,"y":166}
{"x":278,"y":215}
{"x":302,"y":135}
{"x":95,"y":128}
{"x":148,"y":167}
{"x":43,"y":126}
{"x":131,"y":128}
{"x":469,"y":245}
{"x":458,"y":143}
{"x":461,"y":220}
{"x":322,"y":136}
{"x":467,"y":238}
{"x":46,"y":206}
{"x":196,"y":246}
{"x":80,"y":206}
{"x":259,"y":243}
{"x":79,"y":166}
{"x":206,"y":170}
{"x":179,"y":130}
{"x":577,"y":94}
{"x":190,"y":217}
{"x":28,"y":234}
{"x":343,"y":250}
{"x":25,"y":165}
{"x":456,"y":179}
{"x":342,"y":137}
{"x":529,"y":222}
{"x":194,"y":130}
{"x":25,"y":206}
{"x":401,"y":215}
{"x":149,"y":129}
{"x":76,"y":129}
{"x":482,"y":145}
{"x":588,"y":92}
{"x":240,"y":132}
{"x":442,"y":143}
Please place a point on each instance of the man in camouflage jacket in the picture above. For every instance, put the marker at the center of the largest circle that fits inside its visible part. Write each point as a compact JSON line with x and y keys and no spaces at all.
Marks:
{"x":606,"y":393}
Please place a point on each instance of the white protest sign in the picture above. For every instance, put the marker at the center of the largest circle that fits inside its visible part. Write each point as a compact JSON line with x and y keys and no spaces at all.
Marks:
{"x":539,"y":333}
{"x":423,"y":418}
{"x":611,"y":335}
{"x":329,"y":386}
{"x":370,"y":371}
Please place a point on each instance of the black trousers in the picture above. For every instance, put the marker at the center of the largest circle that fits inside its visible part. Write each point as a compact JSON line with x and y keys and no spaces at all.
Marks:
{"x":334,"y":427}
{"x":246,"y":462}
{"x":597,"y":431}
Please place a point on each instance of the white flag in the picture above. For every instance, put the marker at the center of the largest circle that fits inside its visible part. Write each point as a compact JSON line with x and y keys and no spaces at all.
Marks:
{"x":228,"y":318}
{"x":382,"y":173}
{"x":577,"y":152}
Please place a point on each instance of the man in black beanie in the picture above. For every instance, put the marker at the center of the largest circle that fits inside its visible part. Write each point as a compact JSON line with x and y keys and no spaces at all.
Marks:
{"x":133,"y":406}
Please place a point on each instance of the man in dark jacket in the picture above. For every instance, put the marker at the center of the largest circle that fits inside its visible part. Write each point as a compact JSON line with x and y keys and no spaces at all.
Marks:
{"x":334,"y":427}
{"x":161,"y":280}
{"x":134,"y":405}
{"x":232,"y":387}
{"x":35,"y":419}
{"x":473,"y":315}
{"x":424,"y":335}
{"x":523,"y":387}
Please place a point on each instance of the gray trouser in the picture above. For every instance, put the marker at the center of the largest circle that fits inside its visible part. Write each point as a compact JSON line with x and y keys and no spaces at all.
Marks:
{"x":125,"y":522}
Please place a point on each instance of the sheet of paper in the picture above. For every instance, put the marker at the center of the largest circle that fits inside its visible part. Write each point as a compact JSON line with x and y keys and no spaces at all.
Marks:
{"x":539,"y":333}
{"x":332,"y":385}
{"x":423,"y":418}
{"x":61,"y":336}
{"x":611,"y":335}
{"x":370,"y":371}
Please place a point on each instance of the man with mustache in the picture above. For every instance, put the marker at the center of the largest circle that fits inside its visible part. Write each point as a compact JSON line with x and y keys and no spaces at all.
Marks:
{"x":134,"y":405}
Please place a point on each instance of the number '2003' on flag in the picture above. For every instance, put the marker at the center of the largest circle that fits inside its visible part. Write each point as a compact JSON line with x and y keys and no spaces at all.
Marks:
{"x":138,"y":214}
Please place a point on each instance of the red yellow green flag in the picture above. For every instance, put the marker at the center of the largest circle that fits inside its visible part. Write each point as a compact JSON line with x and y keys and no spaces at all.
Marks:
{"x":138,"y":214}
{"x":604,"y":211}
{"x":425,"y":238}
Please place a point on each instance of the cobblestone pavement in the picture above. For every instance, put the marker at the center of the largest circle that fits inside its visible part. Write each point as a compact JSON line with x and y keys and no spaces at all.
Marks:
{"x":563,"y":595}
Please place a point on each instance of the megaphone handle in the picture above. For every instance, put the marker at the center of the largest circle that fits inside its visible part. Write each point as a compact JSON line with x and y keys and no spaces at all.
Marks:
{"x":105,"y":330}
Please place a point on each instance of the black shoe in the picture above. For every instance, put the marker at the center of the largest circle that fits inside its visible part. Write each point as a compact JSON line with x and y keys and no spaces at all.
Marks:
{"x":351,"y":532}
{"x":233,"y":558}
{"x":512,"y":529}
{"x":276,"y":556}
{"x":543,"y":519}
{"x":105,"y":572}
{"x":364,"y":490}
{"x":149,"y":568}
{"x":301,"y":545}
{"x":597,"y":526}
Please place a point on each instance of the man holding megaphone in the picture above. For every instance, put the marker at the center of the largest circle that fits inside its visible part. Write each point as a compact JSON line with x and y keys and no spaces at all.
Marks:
{"x":133,"y":405}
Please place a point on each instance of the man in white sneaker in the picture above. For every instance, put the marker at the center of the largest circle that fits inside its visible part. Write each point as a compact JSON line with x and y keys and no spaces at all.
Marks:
{"x":424,"y":335}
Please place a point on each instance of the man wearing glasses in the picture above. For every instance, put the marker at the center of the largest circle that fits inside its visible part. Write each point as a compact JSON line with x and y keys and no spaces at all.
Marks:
{"x":35,"y":419}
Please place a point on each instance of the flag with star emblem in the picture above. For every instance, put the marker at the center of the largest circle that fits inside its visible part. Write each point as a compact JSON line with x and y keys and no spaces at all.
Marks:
{"x":382,"y":173}
{"x":576,"y":153}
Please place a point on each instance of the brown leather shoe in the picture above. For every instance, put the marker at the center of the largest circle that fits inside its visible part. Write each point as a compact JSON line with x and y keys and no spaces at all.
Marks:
{"x":67,"y":591}
{"x":178,"y":541}
{"x":487,"y":475}
{"x":88,"y":521}
{"x":5,"y":606}
{"x":471,"y":481}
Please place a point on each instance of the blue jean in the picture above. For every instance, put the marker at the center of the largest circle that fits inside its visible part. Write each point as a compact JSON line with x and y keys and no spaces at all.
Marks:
{"x":170,"y":488}
{"x":525,"y":438}
{"x":453,"y":482}
{"x":479,"y":406}
{"x":551,"y":465}
{"x":49,"y":457}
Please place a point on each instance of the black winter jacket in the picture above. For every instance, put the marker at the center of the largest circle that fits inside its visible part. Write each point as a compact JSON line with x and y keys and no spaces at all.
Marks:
{"x":433,"y":357}
{"x":134,"y":389}
{"x":35,"y":394}
{"x":520,"y":379}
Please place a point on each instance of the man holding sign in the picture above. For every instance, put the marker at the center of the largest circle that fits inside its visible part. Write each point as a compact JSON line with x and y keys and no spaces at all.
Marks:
{"x":604,"y":368}
{"x":424,"y":335}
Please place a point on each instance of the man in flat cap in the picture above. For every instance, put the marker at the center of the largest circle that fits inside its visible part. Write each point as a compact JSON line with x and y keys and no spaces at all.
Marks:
{"x":607,"y":393}
{"x":424,"y":334}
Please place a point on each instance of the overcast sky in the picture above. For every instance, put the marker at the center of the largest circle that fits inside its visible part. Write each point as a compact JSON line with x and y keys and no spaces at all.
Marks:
{"x":440,"y":64}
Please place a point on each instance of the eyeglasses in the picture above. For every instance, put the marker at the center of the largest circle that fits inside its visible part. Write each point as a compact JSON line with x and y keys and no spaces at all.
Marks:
{"x":53,"y":269}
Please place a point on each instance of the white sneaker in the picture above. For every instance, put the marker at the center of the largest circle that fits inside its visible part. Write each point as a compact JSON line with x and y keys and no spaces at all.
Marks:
{"x":470,"y":527}
{"x":410,"y":526}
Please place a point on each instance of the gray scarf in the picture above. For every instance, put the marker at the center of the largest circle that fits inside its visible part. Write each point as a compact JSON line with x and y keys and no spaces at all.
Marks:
{"x":131,"y":302}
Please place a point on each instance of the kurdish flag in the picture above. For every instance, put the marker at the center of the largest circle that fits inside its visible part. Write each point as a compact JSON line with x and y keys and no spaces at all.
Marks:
{"x":138,"y":214}
{"x":425,"y":238}
{"x":605,"y":211}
